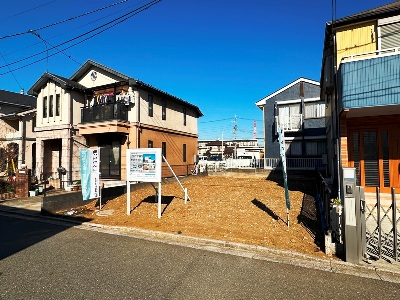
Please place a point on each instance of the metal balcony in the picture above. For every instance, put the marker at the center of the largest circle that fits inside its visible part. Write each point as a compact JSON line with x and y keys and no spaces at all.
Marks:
{"x":104,"y":112}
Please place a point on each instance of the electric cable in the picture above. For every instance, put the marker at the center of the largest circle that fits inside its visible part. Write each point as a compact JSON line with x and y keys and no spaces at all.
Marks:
{"x":63,"y":21}
{"x":125,"y":17}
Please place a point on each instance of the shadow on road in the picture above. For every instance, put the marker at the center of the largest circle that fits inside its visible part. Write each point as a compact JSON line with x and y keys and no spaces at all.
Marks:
{"x":21,"y":228}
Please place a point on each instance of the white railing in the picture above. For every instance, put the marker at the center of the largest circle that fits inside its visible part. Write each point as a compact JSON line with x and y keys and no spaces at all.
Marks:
{"x":289,"y":123}
{"x":371,"y":54}
{"x":299,"y":163}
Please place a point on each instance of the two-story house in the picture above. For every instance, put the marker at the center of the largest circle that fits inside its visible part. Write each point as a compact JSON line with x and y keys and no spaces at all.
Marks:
{"x":299,"y":111}
{"x":100,"y":107}
{"x":360,"y":83}
{"x":17,"y":137}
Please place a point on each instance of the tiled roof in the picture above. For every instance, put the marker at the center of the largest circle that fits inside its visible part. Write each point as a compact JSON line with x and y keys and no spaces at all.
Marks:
{"x":64,"y":82}
{"x":17,"y":99}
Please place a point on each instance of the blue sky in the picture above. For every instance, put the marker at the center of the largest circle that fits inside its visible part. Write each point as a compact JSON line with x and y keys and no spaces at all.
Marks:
{"x":221,"y":55}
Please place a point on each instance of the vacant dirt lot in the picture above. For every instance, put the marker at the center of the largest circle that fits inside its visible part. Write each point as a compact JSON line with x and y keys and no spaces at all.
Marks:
{"x":244,"y":208}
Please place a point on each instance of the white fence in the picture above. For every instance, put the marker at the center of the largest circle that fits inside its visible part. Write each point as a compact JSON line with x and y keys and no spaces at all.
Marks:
{"x":266,"y":163}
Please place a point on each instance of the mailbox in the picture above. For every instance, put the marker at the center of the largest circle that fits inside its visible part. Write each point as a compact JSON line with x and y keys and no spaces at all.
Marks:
{"x":349,"y":182}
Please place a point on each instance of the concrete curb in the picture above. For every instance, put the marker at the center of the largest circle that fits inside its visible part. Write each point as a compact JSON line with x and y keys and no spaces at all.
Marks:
{"x":378,"y":271}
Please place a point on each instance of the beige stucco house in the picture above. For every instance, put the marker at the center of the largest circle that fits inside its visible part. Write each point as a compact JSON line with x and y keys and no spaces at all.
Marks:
{"x":17,"y":137}
{"x":100,"y":107}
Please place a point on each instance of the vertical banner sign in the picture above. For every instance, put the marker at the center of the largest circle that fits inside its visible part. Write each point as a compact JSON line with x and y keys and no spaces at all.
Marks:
{"x":281,"y":136}
{"x":90,"y":173}
{"x":84,"y":155}
{"x":95,"y":173}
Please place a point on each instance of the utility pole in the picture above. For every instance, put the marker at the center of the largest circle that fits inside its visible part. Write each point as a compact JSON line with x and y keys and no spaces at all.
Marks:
{"x":222,"y":154}
{"x":235,"y":128}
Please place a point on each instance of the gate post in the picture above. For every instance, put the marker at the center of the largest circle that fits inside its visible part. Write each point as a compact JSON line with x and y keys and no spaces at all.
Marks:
{"x":354,"y":217}
{"x":23,"y":182}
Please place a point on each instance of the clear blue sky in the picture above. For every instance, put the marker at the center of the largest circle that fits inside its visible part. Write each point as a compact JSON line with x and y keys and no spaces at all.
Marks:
{"x":221,"y":55}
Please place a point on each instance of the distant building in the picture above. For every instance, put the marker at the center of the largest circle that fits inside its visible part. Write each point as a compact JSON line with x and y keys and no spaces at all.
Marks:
{"x":231,"y":148}
{"x":298,"y":109}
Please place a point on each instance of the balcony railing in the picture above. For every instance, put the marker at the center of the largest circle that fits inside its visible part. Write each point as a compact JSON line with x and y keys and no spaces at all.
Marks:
{"x":104,"y":112}
{"x":369,"y":81}
{"x":289,"y":123}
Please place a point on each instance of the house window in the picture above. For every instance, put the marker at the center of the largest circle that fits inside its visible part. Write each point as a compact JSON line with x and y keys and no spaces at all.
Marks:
{"x":149,"y":144}
{"x":293,"y":148}
{"x":150,"y":98}
{"x":315,"y":148}
{"x":164,"y":109}
{"x":184,"y":153}
{"x":33,"y":124}
{"x":184,"y":116}
{"x":58,"y":105}
{"x":314,"y":110}
{"x":289,"y":117}
{"x":44,"y":107}
{"x":164,"y":149}
{"x":51,"y":106}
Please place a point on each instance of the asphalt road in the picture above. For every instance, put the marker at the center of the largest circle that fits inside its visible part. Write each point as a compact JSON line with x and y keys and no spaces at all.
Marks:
{"x":40,"y":260}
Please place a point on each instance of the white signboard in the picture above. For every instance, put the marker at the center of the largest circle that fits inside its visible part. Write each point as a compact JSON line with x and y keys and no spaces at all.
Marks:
{"x":144,"y":164}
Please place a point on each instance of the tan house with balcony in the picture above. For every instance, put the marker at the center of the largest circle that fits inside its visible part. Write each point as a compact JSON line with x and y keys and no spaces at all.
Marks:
{"x":17,"y":137}
{"x":100,"y":107}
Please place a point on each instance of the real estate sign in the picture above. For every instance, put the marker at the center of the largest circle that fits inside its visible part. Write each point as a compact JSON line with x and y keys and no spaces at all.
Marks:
{"x":144,"y":164}
{"x":90,"y":173}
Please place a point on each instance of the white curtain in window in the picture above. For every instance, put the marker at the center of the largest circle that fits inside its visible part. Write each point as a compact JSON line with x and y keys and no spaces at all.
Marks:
{"x":314,"y":110}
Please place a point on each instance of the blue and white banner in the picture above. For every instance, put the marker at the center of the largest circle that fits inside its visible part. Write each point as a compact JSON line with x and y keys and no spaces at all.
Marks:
{"x":90,"y":173}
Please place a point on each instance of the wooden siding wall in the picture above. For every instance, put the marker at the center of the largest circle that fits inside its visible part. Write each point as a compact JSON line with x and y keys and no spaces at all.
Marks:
{"x":356,"y":39}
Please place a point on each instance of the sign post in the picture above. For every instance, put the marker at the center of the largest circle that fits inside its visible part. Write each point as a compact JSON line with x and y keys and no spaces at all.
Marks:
{"x":281,"y":136}
{"x":143,"y":165}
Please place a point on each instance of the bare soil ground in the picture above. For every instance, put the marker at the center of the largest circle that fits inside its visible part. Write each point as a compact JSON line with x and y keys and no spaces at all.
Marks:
{"x":244,"y":208}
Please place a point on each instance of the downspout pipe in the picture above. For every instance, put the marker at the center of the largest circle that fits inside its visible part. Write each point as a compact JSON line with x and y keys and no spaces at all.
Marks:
{"x":71,"y":140}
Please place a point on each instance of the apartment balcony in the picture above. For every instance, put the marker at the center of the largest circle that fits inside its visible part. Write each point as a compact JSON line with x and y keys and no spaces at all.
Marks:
{"x":105,"y":112}
{"x":290,"y":123}
{"x":370,"y":79}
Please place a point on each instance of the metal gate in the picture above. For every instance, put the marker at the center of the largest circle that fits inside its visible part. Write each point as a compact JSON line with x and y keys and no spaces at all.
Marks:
{"x":382,"y":218}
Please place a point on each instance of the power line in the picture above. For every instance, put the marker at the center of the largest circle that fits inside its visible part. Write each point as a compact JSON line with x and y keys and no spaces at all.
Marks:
{"x":63,"y":21}
{"x":36,"y":7}
{"x":2,"y":56}
{"x":121,"y":19}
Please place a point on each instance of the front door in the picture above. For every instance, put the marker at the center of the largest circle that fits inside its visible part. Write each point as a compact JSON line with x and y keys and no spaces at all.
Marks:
{"x":110,"y":160}
{"x":375,"y":153}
